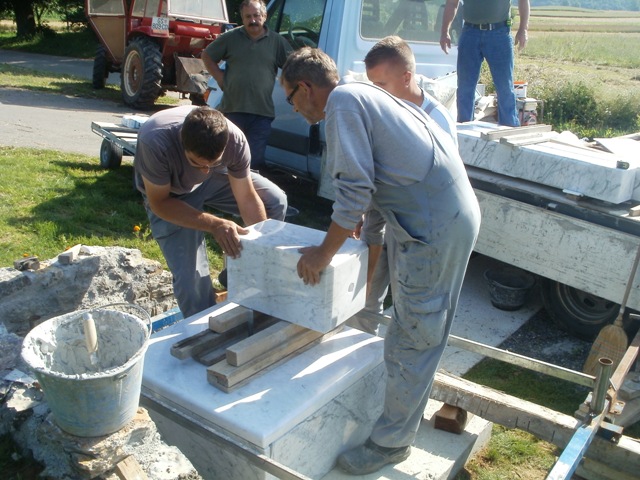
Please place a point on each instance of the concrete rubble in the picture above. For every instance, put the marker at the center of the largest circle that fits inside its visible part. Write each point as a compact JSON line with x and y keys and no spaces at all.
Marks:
{"x":96,"y":277}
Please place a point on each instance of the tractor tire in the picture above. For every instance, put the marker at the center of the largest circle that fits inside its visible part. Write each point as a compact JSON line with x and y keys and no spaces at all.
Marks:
{"x":110,"y":155}
{"x":141,"y":74}
{"x":577,"y":312}
{"x":101,"y":68}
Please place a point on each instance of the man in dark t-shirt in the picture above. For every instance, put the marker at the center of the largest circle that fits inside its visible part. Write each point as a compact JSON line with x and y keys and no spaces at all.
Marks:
{"x":188,"y":158}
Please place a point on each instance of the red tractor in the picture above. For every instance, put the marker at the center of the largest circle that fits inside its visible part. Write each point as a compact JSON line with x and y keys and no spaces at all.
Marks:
{"x":155,"y":45}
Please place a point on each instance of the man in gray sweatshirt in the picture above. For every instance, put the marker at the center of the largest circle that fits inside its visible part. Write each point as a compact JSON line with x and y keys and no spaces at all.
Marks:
{"x":386,"y":154}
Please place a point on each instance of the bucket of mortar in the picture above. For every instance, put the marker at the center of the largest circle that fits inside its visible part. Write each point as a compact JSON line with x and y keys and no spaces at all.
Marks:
{"x":97,"y":394}
{"x":508,"y":287}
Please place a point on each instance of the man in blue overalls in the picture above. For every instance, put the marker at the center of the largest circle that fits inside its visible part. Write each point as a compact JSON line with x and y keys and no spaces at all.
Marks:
{"x":388,"y":155}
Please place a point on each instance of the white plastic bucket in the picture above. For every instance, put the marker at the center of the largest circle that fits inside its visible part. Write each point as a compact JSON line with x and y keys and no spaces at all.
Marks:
{"x":90,"y":398}
{"x":520,"y":89}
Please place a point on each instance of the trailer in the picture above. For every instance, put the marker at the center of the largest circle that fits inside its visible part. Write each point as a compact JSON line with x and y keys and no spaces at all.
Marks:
{"x":118,"y":140}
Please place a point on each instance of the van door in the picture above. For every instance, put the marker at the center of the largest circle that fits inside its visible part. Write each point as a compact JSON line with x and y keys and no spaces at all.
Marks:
{"x":294,"y":145}
{"x":346,"y":30}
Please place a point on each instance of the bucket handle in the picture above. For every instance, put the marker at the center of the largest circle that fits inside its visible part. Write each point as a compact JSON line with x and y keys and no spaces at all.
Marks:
{"x":133,"y":306}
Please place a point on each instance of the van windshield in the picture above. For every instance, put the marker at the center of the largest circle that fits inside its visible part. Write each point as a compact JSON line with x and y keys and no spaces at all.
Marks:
{"x":413,"y":20}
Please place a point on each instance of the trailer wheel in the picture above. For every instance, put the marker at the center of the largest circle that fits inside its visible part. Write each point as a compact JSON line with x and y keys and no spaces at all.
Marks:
{"x":101,"y":68}
{"x":110,"y":155}
{"x":577,"y":312}
{"x":141,"y":75}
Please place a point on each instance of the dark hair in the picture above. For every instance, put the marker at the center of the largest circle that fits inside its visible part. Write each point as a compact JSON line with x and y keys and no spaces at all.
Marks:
{"x":391,"y":49}
{"x":246,"y":3}
{"x":205,"y":133}
{"x":310,"y":65}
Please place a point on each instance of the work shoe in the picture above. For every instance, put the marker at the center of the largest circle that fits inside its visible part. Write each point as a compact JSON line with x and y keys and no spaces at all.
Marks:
{"x":369,"y":458}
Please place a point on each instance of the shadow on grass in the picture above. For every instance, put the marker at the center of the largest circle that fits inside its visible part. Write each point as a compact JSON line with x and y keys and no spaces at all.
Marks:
{"x":103,"y":203}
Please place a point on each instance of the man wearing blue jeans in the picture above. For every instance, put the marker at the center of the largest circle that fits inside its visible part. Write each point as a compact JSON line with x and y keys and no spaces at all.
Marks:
{"x":486,"y":35}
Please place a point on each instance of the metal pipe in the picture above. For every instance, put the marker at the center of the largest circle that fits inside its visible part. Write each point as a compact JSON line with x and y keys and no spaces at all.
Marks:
{"x":605,"y":366}
{"x":522,"y":361}
{"x":492,"y":352}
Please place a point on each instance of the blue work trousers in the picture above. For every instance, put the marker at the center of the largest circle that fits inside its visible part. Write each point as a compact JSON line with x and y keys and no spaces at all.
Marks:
{"x":496,"y":47}
{"x":257,"y":129}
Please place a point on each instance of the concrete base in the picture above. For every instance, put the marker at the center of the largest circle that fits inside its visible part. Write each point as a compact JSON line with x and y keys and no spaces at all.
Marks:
{"x":301,"y":413}
{"x":436,"y":454}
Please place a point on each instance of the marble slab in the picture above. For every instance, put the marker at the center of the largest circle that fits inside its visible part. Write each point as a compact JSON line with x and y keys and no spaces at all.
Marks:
{"x":588,"y":172}
{"x":264,"y":277}
{"x":302,"y":412}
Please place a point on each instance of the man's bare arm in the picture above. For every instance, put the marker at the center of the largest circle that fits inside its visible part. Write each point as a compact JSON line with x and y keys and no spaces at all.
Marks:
{"x":174,"y":210}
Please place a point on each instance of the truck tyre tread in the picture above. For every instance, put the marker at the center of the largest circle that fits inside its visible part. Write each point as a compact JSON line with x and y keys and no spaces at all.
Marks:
{"x":577,"y":312}
{"x":101,"y":68}
{"x":141,"y":76}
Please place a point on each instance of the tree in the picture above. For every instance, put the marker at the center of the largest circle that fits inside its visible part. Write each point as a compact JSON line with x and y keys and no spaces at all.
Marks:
{"x":23,"y":14}
{"x":27,"y":14}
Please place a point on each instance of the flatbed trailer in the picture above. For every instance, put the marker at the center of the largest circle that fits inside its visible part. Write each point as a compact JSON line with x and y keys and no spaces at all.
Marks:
{"x":565,"y":212}
{"x":118,"y":140}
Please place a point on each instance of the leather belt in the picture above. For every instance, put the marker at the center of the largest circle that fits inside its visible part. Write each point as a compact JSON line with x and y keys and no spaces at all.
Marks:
{"x":487,"y":26}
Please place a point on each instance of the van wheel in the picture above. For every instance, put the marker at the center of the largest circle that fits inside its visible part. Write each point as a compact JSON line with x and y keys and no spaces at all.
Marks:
{"x":110,"y":155}
{"x":141,"y":75}
{"x":577,"y":312}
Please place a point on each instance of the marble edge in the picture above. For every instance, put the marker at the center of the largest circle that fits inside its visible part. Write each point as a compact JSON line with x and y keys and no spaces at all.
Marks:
{"x":189,"y":386}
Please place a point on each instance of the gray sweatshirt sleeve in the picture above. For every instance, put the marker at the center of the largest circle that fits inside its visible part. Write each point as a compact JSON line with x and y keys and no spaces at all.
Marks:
{"x":349,"y":160}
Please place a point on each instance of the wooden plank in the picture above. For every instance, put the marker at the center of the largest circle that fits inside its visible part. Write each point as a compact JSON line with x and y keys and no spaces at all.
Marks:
{"x":217,"y":354}
{"x":594,"y":470}
{"x":130,"y":469}
{"x":205,"y":339}
{"x":226,"y":377}
{"x":544,"y":423}
{"x":630,"y":413}
{"x":574,"y":452}
{"x":262,"y":342}
{"x":509,"y":132}
{"x":230,"y":318}
{"x":208,"y":347}
{"x":522,"y":140}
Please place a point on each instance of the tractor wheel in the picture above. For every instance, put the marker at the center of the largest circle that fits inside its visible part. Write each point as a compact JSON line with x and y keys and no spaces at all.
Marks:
{"x":141,"y":73}
{"x":101,"y":68}
{"x":110,"y":155}
{"x":577,"y":312}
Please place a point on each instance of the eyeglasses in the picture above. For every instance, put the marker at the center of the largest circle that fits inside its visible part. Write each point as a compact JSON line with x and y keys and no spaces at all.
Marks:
{"x":293,"y":92}
{"x":201,"y":163}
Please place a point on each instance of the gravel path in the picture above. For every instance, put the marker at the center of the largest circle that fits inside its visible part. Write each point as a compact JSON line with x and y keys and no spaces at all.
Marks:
{"x":541,"y":339}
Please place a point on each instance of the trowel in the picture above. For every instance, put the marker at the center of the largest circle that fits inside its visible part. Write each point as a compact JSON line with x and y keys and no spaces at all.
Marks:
{"x":90,"y":336}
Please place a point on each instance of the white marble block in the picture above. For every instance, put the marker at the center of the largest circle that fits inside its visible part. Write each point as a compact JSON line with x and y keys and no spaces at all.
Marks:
{"x":302,"y":413}
{"x":264,"y":277}
{"x":589,"y":172}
